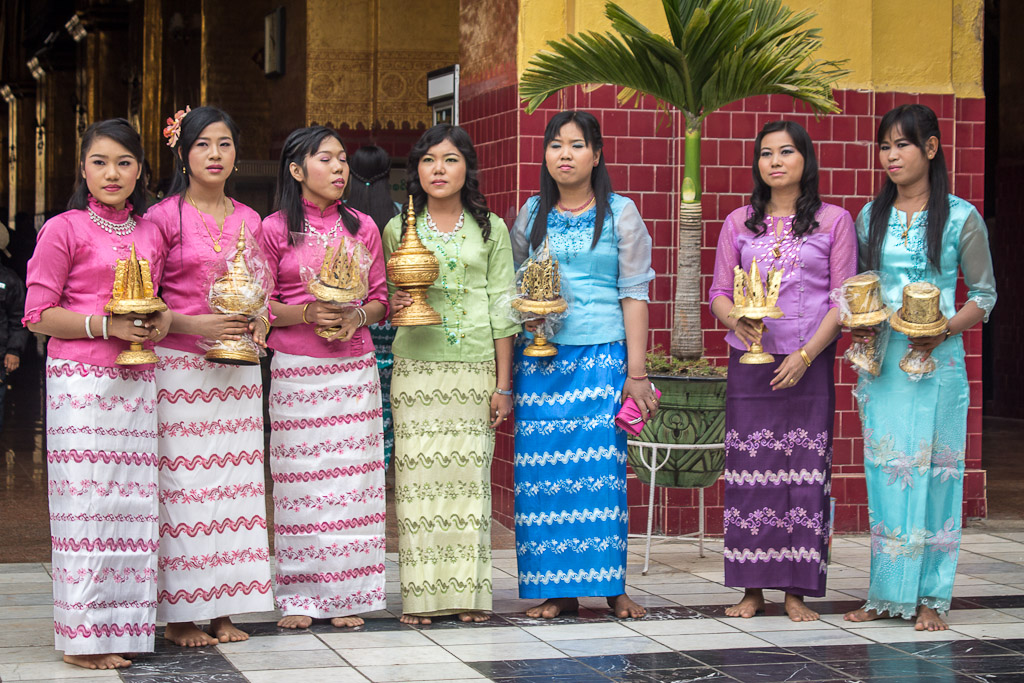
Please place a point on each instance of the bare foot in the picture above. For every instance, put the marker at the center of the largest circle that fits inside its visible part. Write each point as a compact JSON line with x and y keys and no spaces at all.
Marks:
{"x":187,"y":634}
{"x":295,"y":621}
{"x":223,"y":630}
{"x":110,"y":661}
{"x":751,"y":604}
{"x":551,"y":608}
{"x":798,"y":611}
{"x":474,"y":616}
{"x":929,"y":620}
{"x":346,"y":622}
{"x":625,"y":608}
{"x":859,"y":615}
{"x":414,"y":619}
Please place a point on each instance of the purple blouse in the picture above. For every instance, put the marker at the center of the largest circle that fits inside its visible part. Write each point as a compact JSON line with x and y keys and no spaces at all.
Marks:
{"x":813,"y":266}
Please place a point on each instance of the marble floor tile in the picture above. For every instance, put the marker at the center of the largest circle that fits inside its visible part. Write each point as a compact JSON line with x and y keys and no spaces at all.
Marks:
{"x":27,"y":611}
{"x":394,"y":673}
{"x":430,"y":654}
{"x":982,"y":631}
{"x":728,"y":597}
{"x":780,"y":623}
{"x":300,"y":659}
{"x":362,"y":640}
{"x":301,"y":641}
{"x":329,"y":675}
{"x":681,"y":627}
{"x":959,"y":617}
{"x":909,"y":635}
{"x":51,"y":671}
{"x":833,"y":636}
{"x":580,"y":631}
{"x":26,"y":577}
{"x":487,"y":636}
{"x":608,"y":646}
{"x":15,"y":655}
{"x":720,"y":641}
{"x":492,"y":652}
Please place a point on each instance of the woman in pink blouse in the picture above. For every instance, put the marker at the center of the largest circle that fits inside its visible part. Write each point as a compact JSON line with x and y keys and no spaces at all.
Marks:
{"x":779,"y":416}
{"x":327,"y":445}
{"x":100,"y":417}
{"x":214,"y":559}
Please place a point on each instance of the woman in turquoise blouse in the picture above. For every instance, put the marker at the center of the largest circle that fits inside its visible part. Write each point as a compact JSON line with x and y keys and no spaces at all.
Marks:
{"x":571,"y":514}
{"x":915,"y":431}
{"x":451,"y":386}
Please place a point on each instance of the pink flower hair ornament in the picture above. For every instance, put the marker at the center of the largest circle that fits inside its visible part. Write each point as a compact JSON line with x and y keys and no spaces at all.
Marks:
{"x":173,"y":128}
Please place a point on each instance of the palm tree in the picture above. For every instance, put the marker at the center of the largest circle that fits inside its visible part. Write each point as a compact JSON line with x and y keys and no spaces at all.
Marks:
{"x":720,"y":51}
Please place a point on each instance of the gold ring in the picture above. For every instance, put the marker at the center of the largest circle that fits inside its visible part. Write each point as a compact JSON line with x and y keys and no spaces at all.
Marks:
{"x":792,"y":381}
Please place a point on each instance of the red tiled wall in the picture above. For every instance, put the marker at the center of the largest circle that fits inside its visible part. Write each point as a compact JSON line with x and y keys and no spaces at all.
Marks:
{"x":644,"y":150}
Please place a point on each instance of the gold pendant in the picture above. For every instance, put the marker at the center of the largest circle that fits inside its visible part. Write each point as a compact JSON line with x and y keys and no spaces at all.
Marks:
{"x":776,"y":253}
{"x":216,"y":247}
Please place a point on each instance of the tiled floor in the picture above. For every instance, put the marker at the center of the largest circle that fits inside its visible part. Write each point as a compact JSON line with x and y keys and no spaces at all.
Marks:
{"x":685,"y":638}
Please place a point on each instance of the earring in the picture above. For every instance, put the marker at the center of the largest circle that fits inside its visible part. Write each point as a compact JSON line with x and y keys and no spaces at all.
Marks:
{"x":183,"y":171}
{"x":236,"y":168}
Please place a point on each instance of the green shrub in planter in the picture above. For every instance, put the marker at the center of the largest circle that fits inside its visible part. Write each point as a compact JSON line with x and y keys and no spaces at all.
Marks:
{"x":691,"y":411}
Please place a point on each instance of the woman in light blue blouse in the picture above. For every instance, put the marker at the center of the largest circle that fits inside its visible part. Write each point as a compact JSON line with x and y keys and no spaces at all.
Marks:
{"x":570,"y":461}
{"x":915,"y":432}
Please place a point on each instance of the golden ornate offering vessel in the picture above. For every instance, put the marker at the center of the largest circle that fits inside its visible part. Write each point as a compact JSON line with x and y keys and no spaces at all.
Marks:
{"x":413,"y":268}
{"x":541,"y":295}
{"x":863,"y":295}
{"x":133,"y":293}
{"x":341,"y":280}
{"x":237,"y":292}
{"x":920,"y":316}
{"x":751,"y":301}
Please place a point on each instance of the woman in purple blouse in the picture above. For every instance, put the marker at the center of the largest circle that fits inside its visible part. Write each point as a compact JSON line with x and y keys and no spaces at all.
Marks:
{"x":779,"y":416}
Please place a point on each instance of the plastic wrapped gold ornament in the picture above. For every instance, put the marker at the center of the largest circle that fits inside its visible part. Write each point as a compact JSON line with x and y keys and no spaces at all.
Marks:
{"x":133,"y":293}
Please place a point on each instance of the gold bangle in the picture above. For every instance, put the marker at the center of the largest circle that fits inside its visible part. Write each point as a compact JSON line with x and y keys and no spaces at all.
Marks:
{"x":304,"y":313}
{"x":807,"y":359}
{"x":266,"y":321}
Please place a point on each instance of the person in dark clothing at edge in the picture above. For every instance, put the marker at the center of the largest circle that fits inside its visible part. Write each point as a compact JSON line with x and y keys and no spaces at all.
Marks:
{"x":12,"y":307}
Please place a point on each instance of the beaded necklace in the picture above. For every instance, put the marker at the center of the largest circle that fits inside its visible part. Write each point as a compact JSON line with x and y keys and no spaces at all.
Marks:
{"x":452,"y":273}
{"x":119,"y":229}
{"x":325,"y":237}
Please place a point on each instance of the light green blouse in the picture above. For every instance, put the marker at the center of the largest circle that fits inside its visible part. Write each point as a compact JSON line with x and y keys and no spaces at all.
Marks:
{"x":473,"y":276}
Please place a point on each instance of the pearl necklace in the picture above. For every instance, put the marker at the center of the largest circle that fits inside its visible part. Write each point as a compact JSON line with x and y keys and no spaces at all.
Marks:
{"x":119,"y":229}
{"x":446,"y":236}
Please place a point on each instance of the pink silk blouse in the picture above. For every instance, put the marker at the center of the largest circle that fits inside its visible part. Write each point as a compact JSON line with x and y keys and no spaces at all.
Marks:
{"x":813,"y":265}
{"x":283,"y":260}
{"x":73,"y":268}
{"x":190,"y":257}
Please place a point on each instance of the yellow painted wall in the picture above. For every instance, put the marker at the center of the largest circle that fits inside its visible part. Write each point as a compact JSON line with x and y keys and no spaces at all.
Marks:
{"x":926,"y":46}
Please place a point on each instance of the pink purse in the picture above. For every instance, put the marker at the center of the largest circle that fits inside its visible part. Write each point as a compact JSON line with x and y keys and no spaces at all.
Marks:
{"x":630,"y":419}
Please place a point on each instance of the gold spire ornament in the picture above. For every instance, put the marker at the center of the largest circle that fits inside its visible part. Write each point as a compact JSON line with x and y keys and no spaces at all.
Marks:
{"x":413,"y":268}
{"x":133,"y":293}
{"x":920,"y":316}
{"x":751,"y":301}
{"x":341,"y":279}
{"x":540,"y":294}
{"x":862,"y":295}
{"x":237,"y":292}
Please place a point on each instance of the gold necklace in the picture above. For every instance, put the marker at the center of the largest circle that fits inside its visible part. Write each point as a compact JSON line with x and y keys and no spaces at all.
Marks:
{"x":220,"y":235}
{"x":906,"y":224}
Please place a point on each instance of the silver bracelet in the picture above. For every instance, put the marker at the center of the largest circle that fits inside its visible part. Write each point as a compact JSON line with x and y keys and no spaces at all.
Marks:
{"x":106,"y":319}
{"x":502,"y":392}
{"x":362,"y":312}
{"x":88,"y":330}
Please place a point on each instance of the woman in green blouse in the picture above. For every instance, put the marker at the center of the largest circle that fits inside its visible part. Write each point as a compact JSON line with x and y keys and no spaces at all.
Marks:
{"x":451,"y":387}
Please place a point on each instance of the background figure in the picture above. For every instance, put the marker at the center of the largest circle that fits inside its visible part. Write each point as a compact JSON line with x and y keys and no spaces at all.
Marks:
{"x":451,"y":386}
{"x":779,"y":416}
{"x":571,"y":513}
{"x":326,"y":447}
{"x":915,"y":432}
{"x":12,"y":307}
{"x":101,"y":422}
{"x":214,"y":555}
{"x":370,"y":193}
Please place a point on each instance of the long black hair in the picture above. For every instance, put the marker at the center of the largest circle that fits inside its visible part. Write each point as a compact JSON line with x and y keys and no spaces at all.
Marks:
{"x":370,"y":167}
{"x":192,"y":126}
{"x":600,"y":181}
{"x":298,"y":147}
{"x":808,"y":203}
{"x":473,"y":199}
{"x":121,"y":132}
{"x":917,"y":123}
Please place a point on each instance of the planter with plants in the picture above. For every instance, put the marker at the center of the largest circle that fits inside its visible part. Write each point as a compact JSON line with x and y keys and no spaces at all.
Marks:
{"x":691,"y":411}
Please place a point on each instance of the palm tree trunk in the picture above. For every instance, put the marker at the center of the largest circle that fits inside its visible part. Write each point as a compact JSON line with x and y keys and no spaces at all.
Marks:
{"x":687,"y":339}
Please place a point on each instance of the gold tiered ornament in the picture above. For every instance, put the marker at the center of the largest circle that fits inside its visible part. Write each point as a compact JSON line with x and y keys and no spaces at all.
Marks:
{"x":341,"y":279}
{"x":413,"y":268}
{"x":133,"y":293}
{"x":539,"y":295}
{"x":860,"y":305}
{"x":751,"y":301}
{"x":239,"y":291}
{"x":919,"y":316}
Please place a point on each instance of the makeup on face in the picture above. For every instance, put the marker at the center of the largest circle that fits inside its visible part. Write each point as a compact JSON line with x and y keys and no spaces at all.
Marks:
{"x":212,"y":156}
{"x":779,"y":161}
{"x":110,"y":172}
{"x":442,"y":170}
{"x":569,"y":158}
{"x":324,"y":174}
